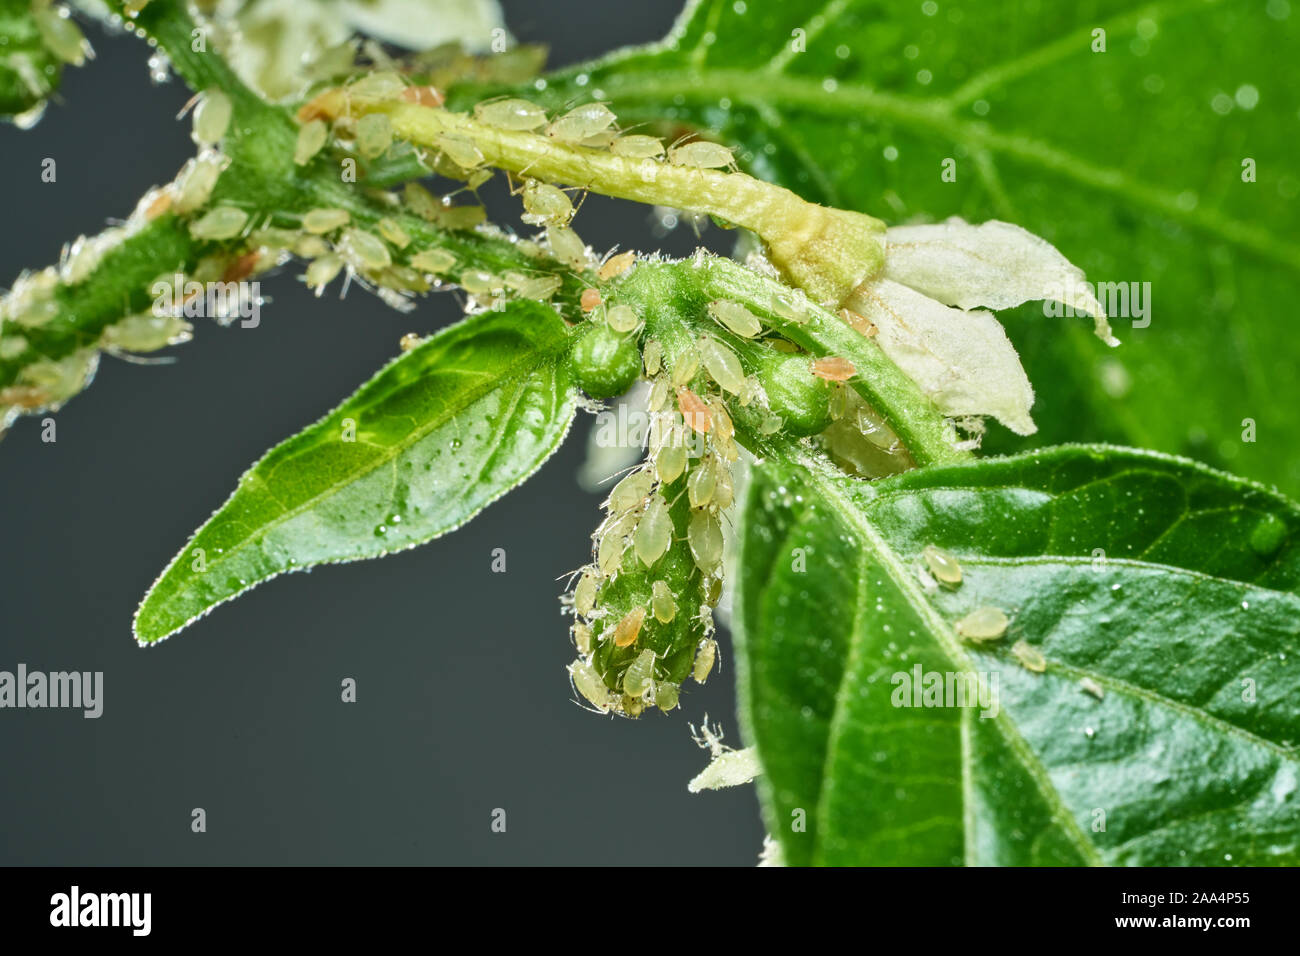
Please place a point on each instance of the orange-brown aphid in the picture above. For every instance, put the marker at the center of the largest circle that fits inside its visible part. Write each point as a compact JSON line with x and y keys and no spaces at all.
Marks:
{"x":242,"y":267}
{"x":616,"y":266}
{"x":694,"y":410}
{"x":161,"y":203}
{"x":590,"y":299}
{"x":834,"y":369}
{"x":326,"y":106}
{"x":859,"y":323}
{"x":626,"y":630}
{"x":422,"y":96}
{"x":24,"y":396}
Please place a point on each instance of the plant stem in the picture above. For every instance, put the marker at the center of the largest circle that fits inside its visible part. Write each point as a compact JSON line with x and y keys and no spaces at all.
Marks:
{"x":673,"y":299}
{"x":828,"y":252}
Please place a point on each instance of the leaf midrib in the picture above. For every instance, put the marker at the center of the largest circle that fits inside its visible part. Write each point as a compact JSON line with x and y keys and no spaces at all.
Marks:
{"x":951,"y":647}
{"x":512,"y":373}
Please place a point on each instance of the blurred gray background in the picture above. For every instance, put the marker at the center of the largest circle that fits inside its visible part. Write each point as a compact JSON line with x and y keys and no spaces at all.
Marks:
{"x":463,"y":703}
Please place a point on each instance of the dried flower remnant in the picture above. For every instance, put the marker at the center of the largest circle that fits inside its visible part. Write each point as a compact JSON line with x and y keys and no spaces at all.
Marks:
{"x":995,"y":264}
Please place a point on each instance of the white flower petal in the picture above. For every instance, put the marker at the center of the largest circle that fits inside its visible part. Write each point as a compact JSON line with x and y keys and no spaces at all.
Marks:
{"x":274,"y":40}
{"x":421,"y":25}
{"x":996,"y":265}
{"x":962,"y":360}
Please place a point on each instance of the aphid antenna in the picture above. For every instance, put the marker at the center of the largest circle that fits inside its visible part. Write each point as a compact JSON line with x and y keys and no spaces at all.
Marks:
{"x":140,"y":359}
{"x":568,"y":576}
{"x":348,"y":276}
{"x":605,"y":258}
{"x":493,"y":99}
{"x":592,"y":709}
{"x":586,"y":191}
{"x":677,"y":498}
{"x":589,"y":708}
{"x":189,"y":105}
{"x":624,"y":472}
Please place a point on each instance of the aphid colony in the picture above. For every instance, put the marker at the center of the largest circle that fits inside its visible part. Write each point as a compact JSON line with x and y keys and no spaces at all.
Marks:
{"x":459,"y":154}
{"x":34,"y":301}
{"x":643,"y":607}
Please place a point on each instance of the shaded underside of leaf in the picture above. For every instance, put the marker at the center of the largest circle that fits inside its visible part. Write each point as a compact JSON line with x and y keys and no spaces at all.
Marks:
{"x":434,"y":437}
{"x":1171,"y":587}
{"x":1130,"y":161}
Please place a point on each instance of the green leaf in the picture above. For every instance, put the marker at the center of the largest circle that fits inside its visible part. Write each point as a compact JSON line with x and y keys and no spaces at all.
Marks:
{"x":1129,"y":161}
{"x":1171,"y":586}
{"x":440,"y":433}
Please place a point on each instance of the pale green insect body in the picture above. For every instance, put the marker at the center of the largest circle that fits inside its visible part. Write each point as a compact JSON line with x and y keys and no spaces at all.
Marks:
{"x":582,"y":122}
{"x":722,"y":364}
{"x":512,"y":114}
{"x":392,"y":231}
{"x":622,"y":318}
{"x":589,"y":684}
{"x":943,"y":564}
{"x":735,"y":318}
{"x":374,"y":135}
{"x":478,"y":282}
{"x":983,"y":624}
{"x":631,"y":491}
{"x":545,"y":204}
{"x":223,"y":222}
{"x":211,"y":117}
{"x":654,"y":531}
{"x":540,"y":288}
{"x":637,"y":146}
{"x":704,"y":535}
{"x":436,"y":261}
{"x":461,"y":150}
{"x":322,"y":270}
{"x":567,"y":246}
{"x":364,"y":251}
{"x":197,"y":180}
{"x":146,"y":333}
{"x":702,"y":155}
{"x":311,"y":140}
{"x":1030,"y":657}
{"x":662,"y":603}
{"x":704,"y":660}
{"x":320,"y":221}
{"x":639,"y":678}
{"x":60,"y":34}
